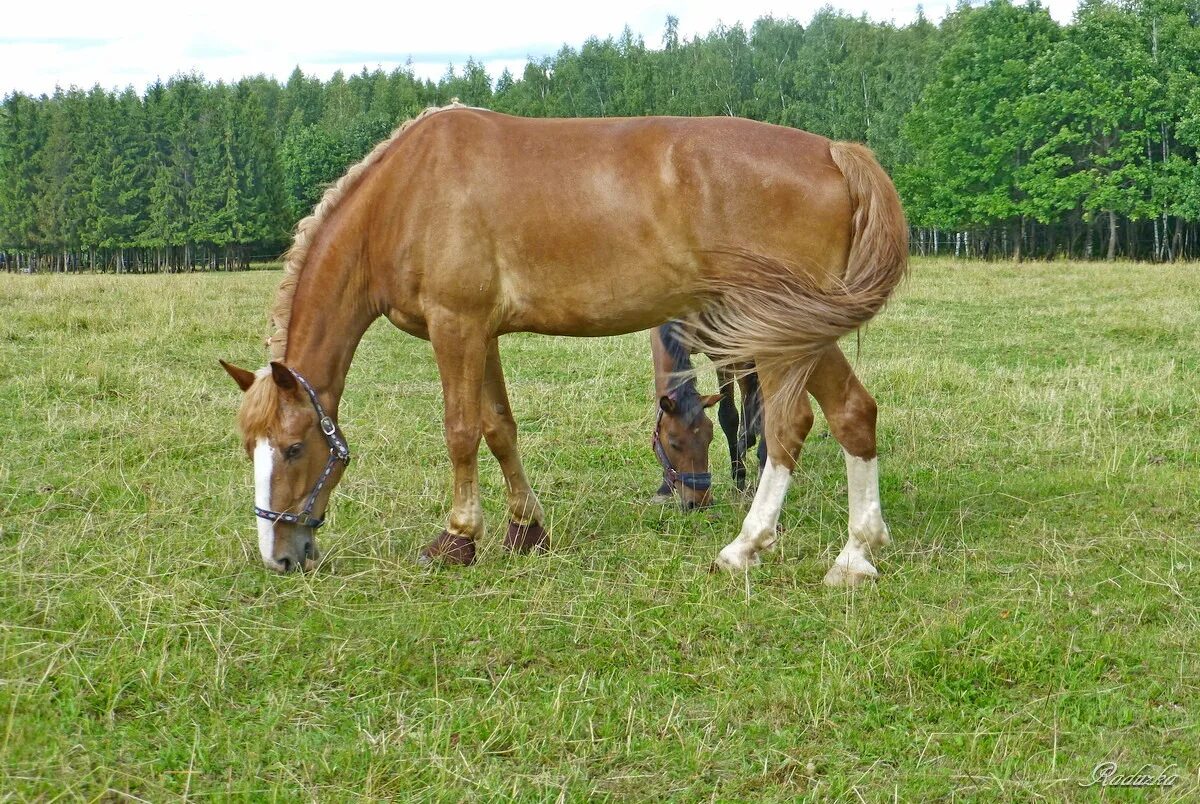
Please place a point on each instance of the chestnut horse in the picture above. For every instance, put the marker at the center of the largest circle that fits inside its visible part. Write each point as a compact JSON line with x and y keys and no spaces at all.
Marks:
{"x":466,"y":224}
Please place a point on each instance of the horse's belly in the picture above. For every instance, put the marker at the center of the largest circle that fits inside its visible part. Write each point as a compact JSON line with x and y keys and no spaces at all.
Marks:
{"x":596,"y":300}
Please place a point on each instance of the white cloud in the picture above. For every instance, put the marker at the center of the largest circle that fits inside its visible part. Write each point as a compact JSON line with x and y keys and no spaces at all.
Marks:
{"x":82,"y":42}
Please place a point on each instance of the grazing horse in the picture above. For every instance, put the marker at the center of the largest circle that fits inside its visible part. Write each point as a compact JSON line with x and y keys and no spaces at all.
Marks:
{"x":683,"y":433}
{"x":466,"y":224}
{"x":849,"y":409}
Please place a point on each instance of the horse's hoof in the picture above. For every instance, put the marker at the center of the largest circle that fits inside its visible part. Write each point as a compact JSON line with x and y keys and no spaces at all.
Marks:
{"x":850,"y":573}
{"x":734,"y":559}
{"x":531,"y":538}
{"x":449,"y":548}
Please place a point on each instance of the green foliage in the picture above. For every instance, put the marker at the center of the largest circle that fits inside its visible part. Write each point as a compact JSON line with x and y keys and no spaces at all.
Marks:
{"x":967,"y":123}
{"x":23,"y":130}
{"x":1006,"y":133}
{"x":1077,"y":128}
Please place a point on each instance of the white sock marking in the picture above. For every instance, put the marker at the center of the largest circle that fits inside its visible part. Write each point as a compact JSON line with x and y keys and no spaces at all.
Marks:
{"x":867,"y":529}
{"x":758,"y":529}
{"x":264,"y":460}
{"x":866,"y":513}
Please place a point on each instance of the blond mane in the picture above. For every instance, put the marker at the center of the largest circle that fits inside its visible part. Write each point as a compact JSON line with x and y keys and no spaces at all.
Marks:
{"x":260,"y":408}
{"x":306,"y":232}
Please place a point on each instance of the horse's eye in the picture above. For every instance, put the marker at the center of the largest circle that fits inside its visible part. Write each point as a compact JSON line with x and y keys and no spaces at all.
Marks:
{"x":292,"y":452}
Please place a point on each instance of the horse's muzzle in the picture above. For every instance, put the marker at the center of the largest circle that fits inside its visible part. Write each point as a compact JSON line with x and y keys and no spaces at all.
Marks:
{"x":299,"y":553}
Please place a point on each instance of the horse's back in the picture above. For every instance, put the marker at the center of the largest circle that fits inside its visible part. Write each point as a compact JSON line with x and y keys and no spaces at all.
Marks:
{"x":570,"y":214}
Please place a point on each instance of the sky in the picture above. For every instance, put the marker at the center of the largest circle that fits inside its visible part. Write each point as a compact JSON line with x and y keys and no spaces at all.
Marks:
{"x":121,"y":43}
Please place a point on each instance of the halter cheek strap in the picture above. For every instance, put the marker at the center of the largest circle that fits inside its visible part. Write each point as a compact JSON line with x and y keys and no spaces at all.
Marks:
{"x":339,"y":452}
{"x":697,"y":481}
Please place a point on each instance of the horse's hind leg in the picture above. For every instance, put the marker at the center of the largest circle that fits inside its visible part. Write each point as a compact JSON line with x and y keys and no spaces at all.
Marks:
{"x":851,"y":412}
{"x":727,"y":415}
{"x":460,"y":348}
{"x":525,"y":532}
{"x":787,"y":425}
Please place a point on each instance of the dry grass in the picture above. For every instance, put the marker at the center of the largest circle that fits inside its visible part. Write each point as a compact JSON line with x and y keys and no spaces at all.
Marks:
{"x":1037,"y":615}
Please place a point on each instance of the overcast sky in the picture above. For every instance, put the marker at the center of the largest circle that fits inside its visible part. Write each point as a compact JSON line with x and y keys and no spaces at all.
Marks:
{"x":50,"y":43}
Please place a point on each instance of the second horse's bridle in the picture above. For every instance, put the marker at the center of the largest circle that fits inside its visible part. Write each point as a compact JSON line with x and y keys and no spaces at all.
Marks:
{"x":697,"y":481}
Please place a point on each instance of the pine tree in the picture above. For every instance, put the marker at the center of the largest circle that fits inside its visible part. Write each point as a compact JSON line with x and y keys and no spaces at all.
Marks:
{"x":214,"y":200}
{"x":265,"y":217}
{"x":22,"y":138}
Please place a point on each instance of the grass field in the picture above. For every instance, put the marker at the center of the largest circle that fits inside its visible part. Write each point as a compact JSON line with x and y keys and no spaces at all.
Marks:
{"x":1037,"y":614}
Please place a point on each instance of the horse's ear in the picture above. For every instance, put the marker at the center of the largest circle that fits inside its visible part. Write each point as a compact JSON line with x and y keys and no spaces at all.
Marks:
{"x":283,"y":376}
{"x":241,"y":376}
{"x":667,"y":404}
{"x":710,"y":400}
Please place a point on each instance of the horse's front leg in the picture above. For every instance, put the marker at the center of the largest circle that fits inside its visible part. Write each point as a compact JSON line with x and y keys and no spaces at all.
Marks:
{"x":752,"y":418}
{"x":525,"y":531}
{"x":461,"y":352}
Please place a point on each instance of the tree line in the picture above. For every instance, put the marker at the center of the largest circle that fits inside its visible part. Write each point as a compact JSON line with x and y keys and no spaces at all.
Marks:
{"x":1008,"y":134}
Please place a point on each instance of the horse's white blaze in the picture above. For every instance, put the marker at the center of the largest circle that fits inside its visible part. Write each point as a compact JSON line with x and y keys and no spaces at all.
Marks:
{"x":758,"y":529}
{"x":264,"y":461}
{"x":867,"y":529}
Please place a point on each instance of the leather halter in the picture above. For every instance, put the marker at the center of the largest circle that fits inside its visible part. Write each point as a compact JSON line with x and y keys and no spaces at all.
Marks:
{"x":339,"y":452}
{"x":697,"y":481}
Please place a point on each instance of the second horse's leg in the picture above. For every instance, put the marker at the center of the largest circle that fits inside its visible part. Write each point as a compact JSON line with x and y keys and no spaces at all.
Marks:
{"x":752,"y":418}
{"x":727,"y":415}
{"x":525,"y":531}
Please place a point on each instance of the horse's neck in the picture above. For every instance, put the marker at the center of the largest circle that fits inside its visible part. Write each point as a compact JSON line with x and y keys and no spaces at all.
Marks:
{"x":667,"y":361}
{"x":665,"y":365}
{"x":331,"y":311}
{"x":662,"y":363}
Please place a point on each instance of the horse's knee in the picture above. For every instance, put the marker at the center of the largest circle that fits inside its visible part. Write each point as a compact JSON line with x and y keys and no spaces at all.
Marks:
{"x":462,"y":438}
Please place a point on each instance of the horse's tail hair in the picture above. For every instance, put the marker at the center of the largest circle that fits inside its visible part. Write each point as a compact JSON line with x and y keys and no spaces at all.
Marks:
{"x":782,"y":318}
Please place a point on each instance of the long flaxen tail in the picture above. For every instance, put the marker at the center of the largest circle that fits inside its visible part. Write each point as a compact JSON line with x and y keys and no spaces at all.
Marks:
{"x":781,"y":317}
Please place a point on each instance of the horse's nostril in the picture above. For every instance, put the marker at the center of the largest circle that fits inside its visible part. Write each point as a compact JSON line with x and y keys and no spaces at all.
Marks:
{"x":285,"y":563}
{"x":308,"y":550}
{"x":688,"y":505}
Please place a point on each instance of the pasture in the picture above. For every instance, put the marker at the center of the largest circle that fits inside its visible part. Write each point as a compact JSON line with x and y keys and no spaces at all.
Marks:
{"x":1036,"y":615}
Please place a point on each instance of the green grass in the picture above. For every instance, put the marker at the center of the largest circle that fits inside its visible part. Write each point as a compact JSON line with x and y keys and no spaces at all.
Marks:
{"x":1036,"y":615}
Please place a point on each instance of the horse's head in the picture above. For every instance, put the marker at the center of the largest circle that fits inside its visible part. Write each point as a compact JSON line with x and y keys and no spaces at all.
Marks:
{"x":682,"y":437}
{"x":299,"y":455}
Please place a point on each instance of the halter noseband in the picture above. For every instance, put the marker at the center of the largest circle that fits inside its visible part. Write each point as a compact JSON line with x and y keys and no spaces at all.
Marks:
{"x":697,"y":481}
{"x":339,"y":452}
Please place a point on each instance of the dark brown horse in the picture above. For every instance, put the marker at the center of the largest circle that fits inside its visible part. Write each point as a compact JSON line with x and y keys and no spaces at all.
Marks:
{"x":682,"y":431}
{"x":467,"y":224}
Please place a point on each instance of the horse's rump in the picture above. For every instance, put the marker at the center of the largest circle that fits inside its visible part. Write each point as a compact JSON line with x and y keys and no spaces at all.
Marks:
{"x":782,"y":316}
